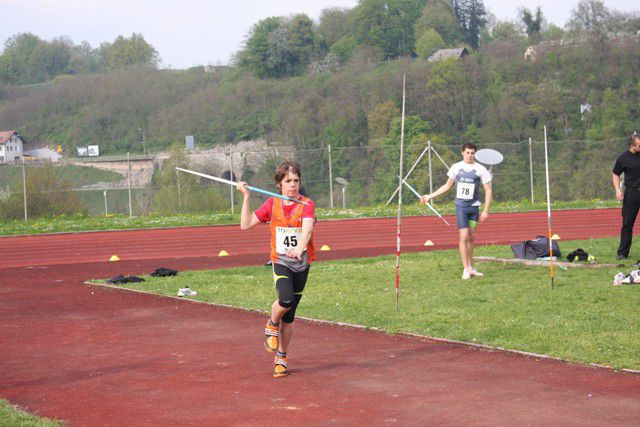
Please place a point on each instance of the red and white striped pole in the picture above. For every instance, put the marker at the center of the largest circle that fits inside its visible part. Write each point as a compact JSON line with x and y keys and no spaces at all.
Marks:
{"x":400,"y":193}
{"x":546,"y":162}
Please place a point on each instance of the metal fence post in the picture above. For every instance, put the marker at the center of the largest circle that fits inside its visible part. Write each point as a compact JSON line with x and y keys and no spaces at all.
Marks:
{"x":531,"y":170}
{"x":231,"y":177}
{"x":24,"y":190}
{"x":430,"y":172}
{"x":179,"y":197}
{"x":330,"y":180}
{"x":129,"y":179}
{"x":106,"y":209}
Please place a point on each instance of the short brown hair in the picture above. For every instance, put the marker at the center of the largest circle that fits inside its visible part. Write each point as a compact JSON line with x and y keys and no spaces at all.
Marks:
{"x":285,"y":167}
{"x":470,"y":145}
{"x":633,"y":137}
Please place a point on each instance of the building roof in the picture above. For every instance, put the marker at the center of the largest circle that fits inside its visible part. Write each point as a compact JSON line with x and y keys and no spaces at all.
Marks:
{"x":441,"y":54}
{"x":5,"y":135}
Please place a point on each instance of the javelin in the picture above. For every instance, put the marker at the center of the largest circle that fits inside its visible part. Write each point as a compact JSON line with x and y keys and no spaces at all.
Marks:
{"x":249,"y":187}
{"x":428,"y":204}
{"x":546,"y":161}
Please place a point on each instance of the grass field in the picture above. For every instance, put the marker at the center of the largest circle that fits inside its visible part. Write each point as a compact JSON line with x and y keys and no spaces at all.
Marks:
{"x":584,"y":319}
{"x":120,"y":222}
{"x":10,"y":416}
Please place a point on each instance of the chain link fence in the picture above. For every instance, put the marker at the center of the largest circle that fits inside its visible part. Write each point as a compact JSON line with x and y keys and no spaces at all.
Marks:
{"x":333,"y":177}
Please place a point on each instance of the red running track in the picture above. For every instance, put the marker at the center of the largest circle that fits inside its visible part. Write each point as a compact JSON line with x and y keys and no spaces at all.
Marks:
{"x":98,"y":356}
{"x":344,"y":237}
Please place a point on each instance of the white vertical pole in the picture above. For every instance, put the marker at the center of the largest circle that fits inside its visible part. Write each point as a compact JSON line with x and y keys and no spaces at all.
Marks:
{"x":179,"y":194}
{"x":330,"y":180}
{"x":531,"y":170}
{"x":106,"y":210}
{"x":231,"y":177}
{"x":129,"y":175}
{"x":24,"y":189}
{"x":400,"y":194}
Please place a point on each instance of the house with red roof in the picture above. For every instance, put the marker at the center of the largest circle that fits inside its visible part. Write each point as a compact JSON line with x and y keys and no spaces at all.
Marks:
{"x":11,"y":147}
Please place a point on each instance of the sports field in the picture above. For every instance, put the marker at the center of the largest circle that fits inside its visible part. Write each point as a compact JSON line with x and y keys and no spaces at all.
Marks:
{"x":584,"y":319}
{"x":93,"y":355}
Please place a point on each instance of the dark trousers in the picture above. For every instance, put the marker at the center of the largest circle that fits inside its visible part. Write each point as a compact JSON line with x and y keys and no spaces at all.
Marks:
{"x":630,"y":206}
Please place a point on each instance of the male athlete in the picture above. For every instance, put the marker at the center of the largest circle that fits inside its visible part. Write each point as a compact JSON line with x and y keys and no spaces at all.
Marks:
{"x":468,"y":176}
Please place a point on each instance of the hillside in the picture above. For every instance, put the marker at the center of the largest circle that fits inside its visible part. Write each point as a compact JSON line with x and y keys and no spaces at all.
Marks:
{"x":493,"y":95}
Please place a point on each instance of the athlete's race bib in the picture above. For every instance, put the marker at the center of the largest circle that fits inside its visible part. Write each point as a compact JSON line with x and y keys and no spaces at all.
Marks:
{"x":287,"y":238}
{"x":465,"y":190}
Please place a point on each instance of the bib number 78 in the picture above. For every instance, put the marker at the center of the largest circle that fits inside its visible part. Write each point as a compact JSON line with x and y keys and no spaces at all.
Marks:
{"x":465,"y":190}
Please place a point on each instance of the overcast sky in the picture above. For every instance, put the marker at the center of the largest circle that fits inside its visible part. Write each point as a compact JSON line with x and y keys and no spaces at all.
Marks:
{"x":197,"y":32}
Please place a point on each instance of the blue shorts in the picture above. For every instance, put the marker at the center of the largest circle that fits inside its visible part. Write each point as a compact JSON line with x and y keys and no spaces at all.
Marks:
{"x":467,"y":216}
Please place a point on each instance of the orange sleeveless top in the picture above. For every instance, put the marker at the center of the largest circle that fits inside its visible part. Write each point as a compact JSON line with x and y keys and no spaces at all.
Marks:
{"x":278,"y":219}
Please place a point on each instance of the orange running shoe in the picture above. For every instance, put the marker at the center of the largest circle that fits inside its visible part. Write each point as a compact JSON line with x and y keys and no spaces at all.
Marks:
{"x":271,"y":334}
{"x":280,"y":368}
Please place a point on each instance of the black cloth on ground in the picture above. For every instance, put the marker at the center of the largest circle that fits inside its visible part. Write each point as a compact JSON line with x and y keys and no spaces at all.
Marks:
{"x":536,"y":248}
{"x":163,"y":272}
{"x":120,"y":279}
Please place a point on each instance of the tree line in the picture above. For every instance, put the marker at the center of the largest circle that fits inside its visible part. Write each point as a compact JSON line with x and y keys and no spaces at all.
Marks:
{"x":278,"y":47}
{"x":27,"y":59}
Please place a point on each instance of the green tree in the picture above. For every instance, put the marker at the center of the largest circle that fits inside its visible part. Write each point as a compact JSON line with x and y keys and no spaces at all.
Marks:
{"x":552,"y":32}
{"x":380,"y":117}
{"x":505,"y":31}
{"x":84,"y":59}
{"x":438,"y":15}
{"x":532,"y":23}
{"x":344,"y":48}
{"x":429,"y":42}
{"x":388,"y":25}
{"x":612,"y":117}
{"x":300,"y":42}
{"x":278,"y":47}
{"x":29,"y":59}
{"x":124,"y":52}
{"x":451,"y":93}
{"x":334,"y":24}
{"x":589,"y":18}
{"x":471,"y":15}
{"x":256,"y":55}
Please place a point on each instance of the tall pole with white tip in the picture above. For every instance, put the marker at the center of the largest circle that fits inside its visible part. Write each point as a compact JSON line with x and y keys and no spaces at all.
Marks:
{"x":546,"y":161}
{"x":400,"y":194}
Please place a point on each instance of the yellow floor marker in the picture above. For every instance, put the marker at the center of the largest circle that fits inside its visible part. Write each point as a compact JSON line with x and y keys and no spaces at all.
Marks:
{"x":223,"y":253}
{"x":429,"y":243}
{"x":555,"y":237}
{"x":325,"y":248}
{"x":114,"y":258}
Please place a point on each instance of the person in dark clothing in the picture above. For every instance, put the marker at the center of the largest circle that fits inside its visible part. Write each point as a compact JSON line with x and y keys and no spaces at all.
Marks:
{"x":629,"y":164}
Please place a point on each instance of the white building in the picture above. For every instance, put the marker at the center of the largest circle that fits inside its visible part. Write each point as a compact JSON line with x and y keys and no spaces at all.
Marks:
{"x":11,"y":147}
